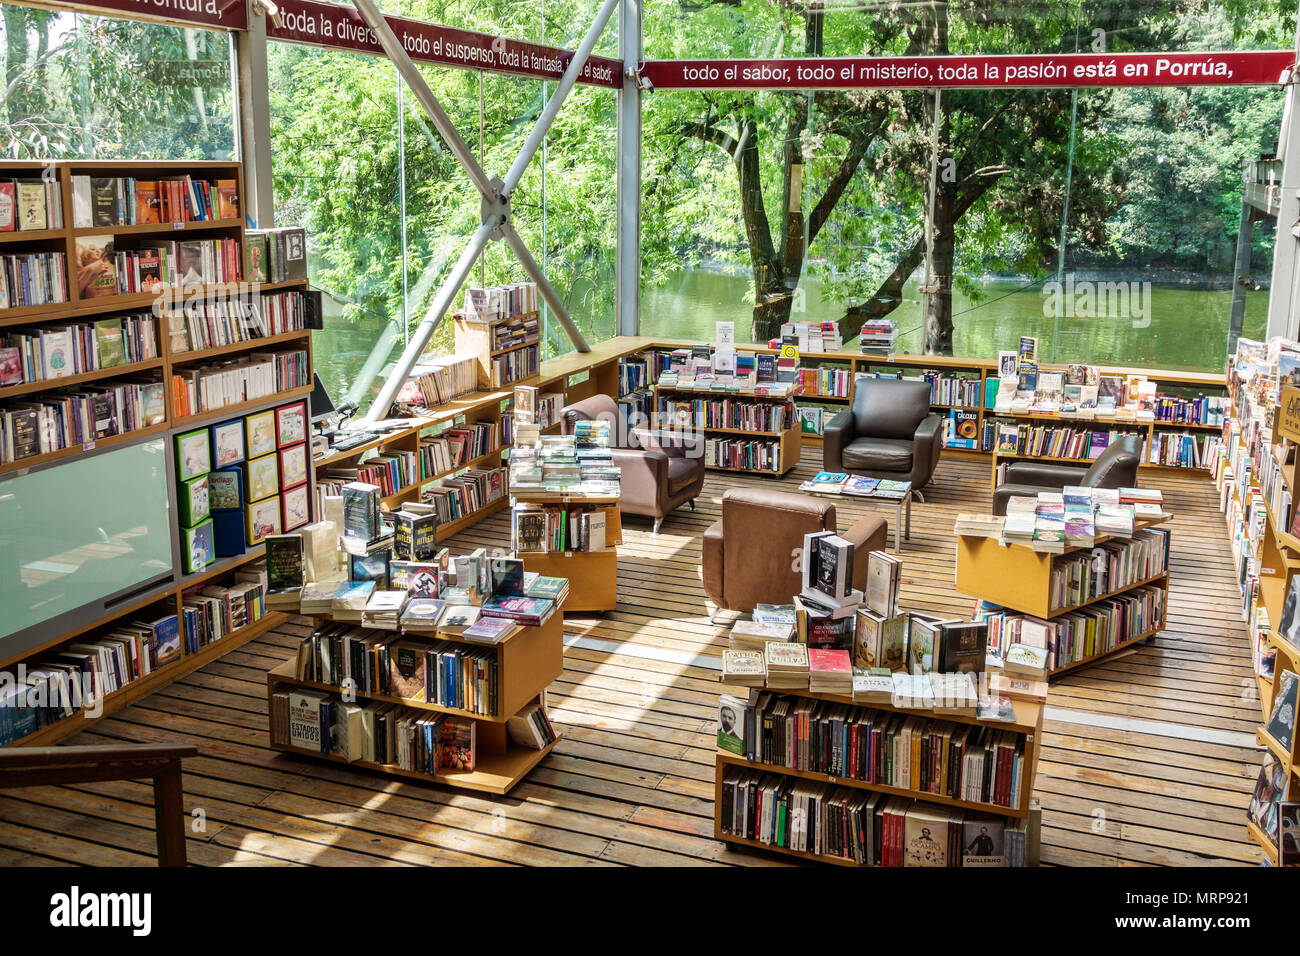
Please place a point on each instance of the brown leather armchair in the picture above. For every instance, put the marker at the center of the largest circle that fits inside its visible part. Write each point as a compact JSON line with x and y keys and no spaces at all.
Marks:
{"x":888,"y":433}
{"x":1116,"y":467}
{"x":749,"y":557}
{"x":657,"y":474}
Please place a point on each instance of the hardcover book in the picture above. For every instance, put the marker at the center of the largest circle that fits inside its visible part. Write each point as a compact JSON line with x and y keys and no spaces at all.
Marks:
{"x":406,"y":669}
{"x":731,"y":724}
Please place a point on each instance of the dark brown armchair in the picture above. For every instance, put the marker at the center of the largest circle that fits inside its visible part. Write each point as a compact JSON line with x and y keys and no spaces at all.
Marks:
{"x":657,"y":474}
{"x":1116,"y":467}
{"x":749,"y":556}
{"x":888,"y":433}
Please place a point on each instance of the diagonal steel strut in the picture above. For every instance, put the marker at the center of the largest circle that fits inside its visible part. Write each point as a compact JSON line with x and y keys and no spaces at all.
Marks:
{"x":495,"y":193}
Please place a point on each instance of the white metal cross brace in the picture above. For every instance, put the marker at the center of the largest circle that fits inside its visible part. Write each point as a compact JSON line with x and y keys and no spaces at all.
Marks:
{"x":495,"y":192}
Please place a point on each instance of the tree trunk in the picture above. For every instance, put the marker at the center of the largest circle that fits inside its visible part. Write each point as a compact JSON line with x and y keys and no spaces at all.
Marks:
{"x":938,"y":312}
{"x":16,"y":52}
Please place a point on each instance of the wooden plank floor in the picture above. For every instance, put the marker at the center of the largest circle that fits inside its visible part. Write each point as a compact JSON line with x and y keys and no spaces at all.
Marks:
{"x":1147,"y":759}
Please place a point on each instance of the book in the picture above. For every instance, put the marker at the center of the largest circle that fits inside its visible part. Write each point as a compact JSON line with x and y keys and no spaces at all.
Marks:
{"x":881,"y":592}
{"x":456,"y":747}
{"x":309,"y":720}
{"x":406,"y":670}
{"x":922,"y":640}
{"x":1281,"y":724}
{"x":456,"y":618}
{"x":830,"y":671}
{"x":731,"y":724}
{"x":490,"y":630}
{"x":421,"y":614}
{"x":962,"y":646}
{"x":744,"y":666}
{"x":284,"y":570}
{"x":1024,"y":661}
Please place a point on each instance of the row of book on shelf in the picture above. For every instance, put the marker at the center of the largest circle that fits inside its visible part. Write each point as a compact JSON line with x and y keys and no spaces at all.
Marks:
{"x":53,"y":421}
{"x":79,"y":675}
{"x":48,"y":353}
{"x":217,"y":320}
{"x":496,"y":303}
{"x":233,"y":381}
{"x":130,"y":201}
{"x":865,"y":827}
{"x":30,"y":205}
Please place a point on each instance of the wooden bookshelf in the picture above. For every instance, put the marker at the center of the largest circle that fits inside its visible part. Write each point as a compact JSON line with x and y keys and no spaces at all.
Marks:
{"x":1028,"y":725}
{"x":1018,"y":578}
{"x":593,"y":575}
{"x":528,"y":661}
{"x":78,"y":309}
{"x":787,"y":440}
{"x":477,"y":337}
{"x":165,"y":595}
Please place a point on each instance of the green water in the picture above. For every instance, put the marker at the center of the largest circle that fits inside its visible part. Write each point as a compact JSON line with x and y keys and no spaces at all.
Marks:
{"x":1187,"y":330}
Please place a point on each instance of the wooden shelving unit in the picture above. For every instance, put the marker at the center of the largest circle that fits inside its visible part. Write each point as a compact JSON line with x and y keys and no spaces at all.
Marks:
{"x":1028,"y":724}
{"x":1279,"y":562}
{"x":593,"y":575}
{"x":787,"y":439}
{"x":1018,"y":578}
{"x":478,"y":337}
{"x":528,"y":661}
{"x":77,"y":309}
{"x":166,"y":596}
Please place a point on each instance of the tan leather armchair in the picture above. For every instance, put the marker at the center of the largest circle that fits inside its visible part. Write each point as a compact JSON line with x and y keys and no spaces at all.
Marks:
{"x":751,"y":556}
{"x":657,"y":474}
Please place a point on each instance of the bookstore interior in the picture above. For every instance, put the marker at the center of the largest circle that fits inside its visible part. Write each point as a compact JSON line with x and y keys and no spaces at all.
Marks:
{"x":524,"y":556}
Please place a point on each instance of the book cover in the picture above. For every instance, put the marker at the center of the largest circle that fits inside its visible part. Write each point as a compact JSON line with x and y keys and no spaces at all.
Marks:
{"x":309,"y":720}
{"x":1282,"y":722}
{"x":963,"y":646}
{"x":456,"y":747}
{"x":731,"y":724}
{"x":489,"y":630}
{"x":406,"y":669}
{"x":109,"y":341}
{"x":8,"y":206}
{"x":96,"y":271}
{"x":11,"y":367}
{"x":284,"y":563}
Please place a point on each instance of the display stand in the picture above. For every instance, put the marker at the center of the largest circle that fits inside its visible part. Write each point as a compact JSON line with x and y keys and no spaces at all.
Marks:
{"x":593,"y":575}
{"x":1027,"y":725}
{"x":786,"y":440}
{"x":1018,"y":578}
{"x":528,"y":661}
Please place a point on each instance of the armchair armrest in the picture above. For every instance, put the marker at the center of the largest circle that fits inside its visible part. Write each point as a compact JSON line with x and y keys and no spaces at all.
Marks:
{"x":835,"y":438}
{"x":1042,"y":474}
{"x":711,"y":563}
{"x":644,"y":479}
{"x":925,"y":449}
{"x":868,"y":534}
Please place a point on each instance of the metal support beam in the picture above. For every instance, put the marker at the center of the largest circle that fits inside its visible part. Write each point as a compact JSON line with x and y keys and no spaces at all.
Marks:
{"x":255,"y":122}
{"x":432,"y":319}
{"x":495,"y":193}
{"x":420,"y":90}
{"x":510,"y":182}
{"x":1240,"y":275}
{"x":627,"y":254}
{"x":530,"y":265}
{"x":1284,"y":293}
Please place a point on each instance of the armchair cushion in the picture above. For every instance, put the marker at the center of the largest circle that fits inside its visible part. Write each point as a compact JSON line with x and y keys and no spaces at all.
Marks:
{"x":878,"y":454}
{"x":1043,"y":474}
{"x":682,"y":472}
{"x":889,"y":408}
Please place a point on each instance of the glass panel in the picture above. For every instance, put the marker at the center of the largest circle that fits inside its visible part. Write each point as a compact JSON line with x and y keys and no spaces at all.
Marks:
{"x":62,"y":549}
{"x":1155,"y":198}
{"x":86,"y":87}
{"x":336,"y":165}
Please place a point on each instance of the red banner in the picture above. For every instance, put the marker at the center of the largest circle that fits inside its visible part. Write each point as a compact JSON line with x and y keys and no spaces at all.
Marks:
{"x":342,"y":28}
{"x":230,"y":14}
{"x":994,"y":72}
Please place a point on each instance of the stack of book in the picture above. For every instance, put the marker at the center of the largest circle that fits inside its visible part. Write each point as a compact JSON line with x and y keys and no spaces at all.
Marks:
{"x":786,"y":664}
{"x":384,"y":609}
{"x":830,"y":672}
